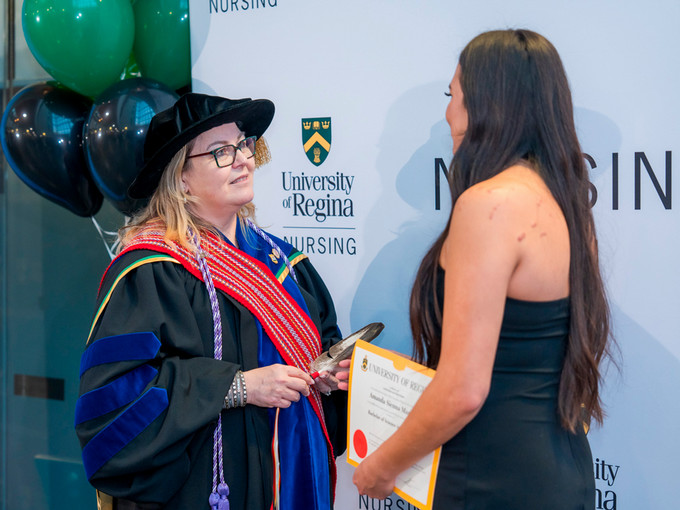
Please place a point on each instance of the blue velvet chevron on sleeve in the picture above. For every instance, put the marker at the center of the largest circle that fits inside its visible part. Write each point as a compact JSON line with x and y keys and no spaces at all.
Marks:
{"x":114,"y":437}
{"x":114,"y":395}
{"x":111,"y":349}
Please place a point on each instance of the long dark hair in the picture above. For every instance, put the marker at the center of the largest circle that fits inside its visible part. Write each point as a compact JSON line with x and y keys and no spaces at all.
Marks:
{"x":519,"y":106}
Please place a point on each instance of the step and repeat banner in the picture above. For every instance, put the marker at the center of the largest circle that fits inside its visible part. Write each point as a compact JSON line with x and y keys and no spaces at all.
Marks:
{"x":357,"y":180}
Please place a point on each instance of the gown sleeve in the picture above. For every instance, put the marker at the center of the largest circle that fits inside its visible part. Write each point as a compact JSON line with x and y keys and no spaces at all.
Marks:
{"x":150,"y":388}
{"x":322,"y":311}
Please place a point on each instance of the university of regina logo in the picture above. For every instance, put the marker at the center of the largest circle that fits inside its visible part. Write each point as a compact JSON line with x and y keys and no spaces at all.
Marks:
{"x":316,"y":139}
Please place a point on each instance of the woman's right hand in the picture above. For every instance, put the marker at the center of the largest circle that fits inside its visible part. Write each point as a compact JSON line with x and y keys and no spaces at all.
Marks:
{"x":276,"y":385}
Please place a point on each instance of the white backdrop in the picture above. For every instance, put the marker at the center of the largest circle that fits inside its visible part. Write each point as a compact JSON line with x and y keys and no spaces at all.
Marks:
{"x":378,"y":70}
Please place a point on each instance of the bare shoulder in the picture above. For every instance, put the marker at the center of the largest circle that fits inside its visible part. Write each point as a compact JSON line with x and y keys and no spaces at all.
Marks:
{"x":512,"y":220}
{"x":486,"y":220}
{"x":508,"y":197}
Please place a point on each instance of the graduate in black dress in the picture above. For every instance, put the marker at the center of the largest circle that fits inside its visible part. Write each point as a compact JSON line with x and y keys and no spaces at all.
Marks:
{"x":195,"y":390}
{"x":508,"y":305}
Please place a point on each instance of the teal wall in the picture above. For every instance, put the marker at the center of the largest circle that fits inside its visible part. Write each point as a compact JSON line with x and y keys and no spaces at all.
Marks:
{"x":52,"y":261}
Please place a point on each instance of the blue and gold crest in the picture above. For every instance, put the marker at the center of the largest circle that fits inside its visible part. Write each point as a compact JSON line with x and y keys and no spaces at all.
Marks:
{"x":316,"y":139}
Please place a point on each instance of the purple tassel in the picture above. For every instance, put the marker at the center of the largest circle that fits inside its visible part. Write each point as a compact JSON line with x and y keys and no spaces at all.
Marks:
{"x":218,"y":500}
{"x":213,"y":501}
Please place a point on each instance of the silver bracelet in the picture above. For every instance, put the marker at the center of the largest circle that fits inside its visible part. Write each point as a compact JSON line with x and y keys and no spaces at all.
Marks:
{"x":237,"y":395}
{"x":239,"y":391}
{"x":243,"y":386}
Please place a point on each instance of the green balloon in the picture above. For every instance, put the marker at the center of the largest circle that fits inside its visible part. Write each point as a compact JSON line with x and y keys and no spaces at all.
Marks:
{"x":83,"y":44}
{"x":162,"y":41}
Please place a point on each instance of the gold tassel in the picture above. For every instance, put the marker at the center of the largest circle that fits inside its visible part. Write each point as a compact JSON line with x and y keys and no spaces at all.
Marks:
{"x":262,"y":154}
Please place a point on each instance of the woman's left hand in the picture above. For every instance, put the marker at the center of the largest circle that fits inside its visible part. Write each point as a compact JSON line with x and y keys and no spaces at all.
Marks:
{"x":338,"y":379}
{"x":374,"y":480}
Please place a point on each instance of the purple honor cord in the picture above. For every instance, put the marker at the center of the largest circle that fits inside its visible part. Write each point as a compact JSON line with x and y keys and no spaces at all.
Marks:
{"x":220,"y":490}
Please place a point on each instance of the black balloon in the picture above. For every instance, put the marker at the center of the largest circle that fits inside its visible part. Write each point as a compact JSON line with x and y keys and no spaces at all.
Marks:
{"x":41,"y":135}
{"x":114,"y":135}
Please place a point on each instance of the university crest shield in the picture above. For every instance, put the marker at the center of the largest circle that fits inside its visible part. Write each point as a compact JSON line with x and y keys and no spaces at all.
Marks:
{"x":316,"y":139}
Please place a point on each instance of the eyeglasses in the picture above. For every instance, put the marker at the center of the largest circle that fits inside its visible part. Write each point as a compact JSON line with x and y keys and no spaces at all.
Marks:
{"x":225,"y":155}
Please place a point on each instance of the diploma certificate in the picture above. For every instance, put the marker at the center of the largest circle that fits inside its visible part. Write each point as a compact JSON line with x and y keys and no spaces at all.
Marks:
{"x":383,"y":389}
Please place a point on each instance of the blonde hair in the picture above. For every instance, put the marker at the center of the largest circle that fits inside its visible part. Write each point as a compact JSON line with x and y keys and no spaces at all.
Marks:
{"x":168,"y":204}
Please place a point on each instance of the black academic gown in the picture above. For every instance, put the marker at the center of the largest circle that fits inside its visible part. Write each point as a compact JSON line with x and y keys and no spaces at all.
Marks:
{"x":170,"y":461}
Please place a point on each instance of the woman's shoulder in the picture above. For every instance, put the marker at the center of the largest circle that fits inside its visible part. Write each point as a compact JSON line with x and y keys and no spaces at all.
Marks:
{"x":511,"y":194}
{"x":141,"y":267}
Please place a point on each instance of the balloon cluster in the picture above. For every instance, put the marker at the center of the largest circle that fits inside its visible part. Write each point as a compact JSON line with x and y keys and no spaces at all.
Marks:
{"x":79,"y":139}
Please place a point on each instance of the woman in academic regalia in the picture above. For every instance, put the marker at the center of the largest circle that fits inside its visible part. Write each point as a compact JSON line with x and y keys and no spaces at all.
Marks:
{"x":194,"y":385}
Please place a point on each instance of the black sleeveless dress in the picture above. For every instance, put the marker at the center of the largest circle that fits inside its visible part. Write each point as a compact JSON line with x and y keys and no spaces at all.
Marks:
{"x":514,"y":455}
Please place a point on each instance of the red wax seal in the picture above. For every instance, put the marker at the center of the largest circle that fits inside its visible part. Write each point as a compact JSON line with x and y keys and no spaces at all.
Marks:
{"x":360,"y":443}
